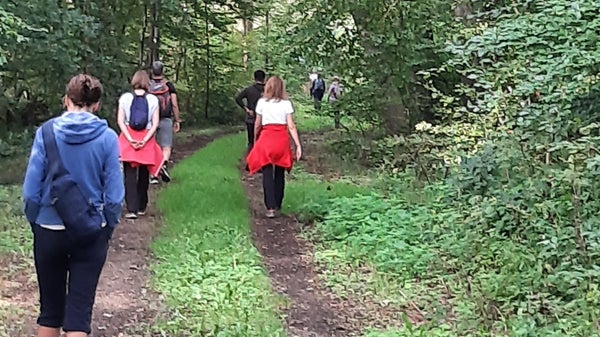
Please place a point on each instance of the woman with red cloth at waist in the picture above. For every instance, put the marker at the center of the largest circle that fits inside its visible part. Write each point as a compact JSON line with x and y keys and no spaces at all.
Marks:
{"x":140,"y":153}
{"x":272,"y":151}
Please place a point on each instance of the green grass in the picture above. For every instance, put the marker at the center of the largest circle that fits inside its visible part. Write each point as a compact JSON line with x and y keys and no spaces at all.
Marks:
{"x":306,"y":118}
{"x":308,"y":194}
{"x":15,"y":252}
{"x":208,"y":268}
{"x":16,"y":237}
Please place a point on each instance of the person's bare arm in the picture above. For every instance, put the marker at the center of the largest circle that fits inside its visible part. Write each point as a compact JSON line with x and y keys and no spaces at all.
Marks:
{"x":153,"y":128}
{"x":294,"y":133}
{"x":257,"y":126}
{"x":122,"y":125}
{"x":175,"y":106}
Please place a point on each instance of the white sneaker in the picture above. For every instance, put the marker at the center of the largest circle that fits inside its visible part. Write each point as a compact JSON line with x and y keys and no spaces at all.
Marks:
{"x":131,"y":215}
{"x":270,"y":213}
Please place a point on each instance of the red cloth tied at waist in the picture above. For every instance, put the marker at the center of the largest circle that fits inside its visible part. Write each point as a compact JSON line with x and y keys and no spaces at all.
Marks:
{"x":150,"y":155}
{"x":271,"y":147}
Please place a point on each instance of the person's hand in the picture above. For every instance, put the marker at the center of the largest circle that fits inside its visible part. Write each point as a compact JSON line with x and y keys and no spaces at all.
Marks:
{"x":176,"y":127}
{"x":249,"y":112}
{"x":298,"y":152}
{"x":142,"y":143}
{"x":134,"y":143}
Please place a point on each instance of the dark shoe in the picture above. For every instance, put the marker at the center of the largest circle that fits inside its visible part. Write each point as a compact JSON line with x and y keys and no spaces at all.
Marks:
{"x":164,"y":174}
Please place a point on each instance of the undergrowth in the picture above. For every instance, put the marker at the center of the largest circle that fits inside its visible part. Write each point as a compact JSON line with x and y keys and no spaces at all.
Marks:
{"x":434,"y":256}
{"x":207,"y":267}
{"x":16,"y":235}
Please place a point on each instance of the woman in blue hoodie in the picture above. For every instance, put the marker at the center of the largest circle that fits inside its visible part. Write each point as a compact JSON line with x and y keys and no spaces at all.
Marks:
{"x":68,"y":273}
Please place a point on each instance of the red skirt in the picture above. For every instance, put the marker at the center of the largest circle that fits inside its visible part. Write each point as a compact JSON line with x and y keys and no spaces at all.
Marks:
{"x":271,"y":148}
{"x":150,"y":155}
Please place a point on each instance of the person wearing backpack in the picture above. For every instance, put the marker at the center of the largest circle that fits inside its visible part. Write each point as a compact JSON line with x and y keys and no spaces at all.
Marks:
{"x":72,"y":193}
{"x":335,"y":92}
{"x":168,"y":109}
{"x":251,"y":94}
{"x":317,"y":90}
{"x":138,"y":119}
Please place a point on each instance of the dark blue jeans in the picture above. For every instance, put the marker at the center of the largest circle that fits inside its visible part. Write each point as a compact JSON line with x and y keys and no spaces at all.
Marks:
{"x":67,"y":278}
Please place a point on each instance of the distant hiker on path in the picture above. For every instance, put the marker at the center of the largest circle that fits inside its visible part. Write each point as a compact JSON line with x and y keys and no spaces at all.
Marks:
{"x":73,"y":191}
{"x":251,"y":94}
{"x":272,"y":152}
{"x":317,"y":90}
{"x":335,"y":92}
{"x":138,"y":118}
{"x":168,"y":109}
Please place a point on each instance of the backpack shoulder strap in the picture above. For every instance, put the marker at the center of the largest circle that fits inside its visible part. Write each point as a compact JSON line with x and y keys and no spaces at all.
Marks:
{"x":55,"y":165}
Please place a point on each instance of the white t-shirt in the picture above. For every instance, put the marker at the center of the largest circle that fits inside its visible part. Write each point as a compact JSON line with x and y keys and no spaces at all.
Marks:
{"x":125,"y":103}
{"x":274,"y":112}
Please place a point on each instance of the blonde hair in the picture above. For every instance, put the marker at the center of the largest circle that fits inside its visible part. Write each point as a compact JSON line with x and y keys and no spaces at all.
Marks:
{"x":275,"y":89}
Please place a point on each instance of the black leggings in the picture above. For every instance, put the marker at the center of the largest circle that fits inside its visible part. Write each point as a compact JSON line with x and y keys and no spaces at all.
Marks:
{"x":67,"y":277}
{"x":273,"y":186}
{"x":137,"y":180}
{"x":250,"y":131}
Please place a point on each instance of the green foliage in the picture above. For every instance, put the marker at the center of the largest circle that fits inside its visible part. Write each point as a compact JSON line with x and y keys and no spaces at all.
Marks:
{"x":208,"y":269}
{"x":43,"y":43}
{"x":16,"y":232}
{"x":506,"y":232}
{"x":497,"y":276}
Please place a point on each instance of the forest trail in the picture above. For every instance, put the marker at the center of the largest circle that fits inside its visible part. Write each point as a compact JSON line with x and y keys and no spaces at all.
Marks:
{"x":125,"y":306}
{"x":314,"y":310}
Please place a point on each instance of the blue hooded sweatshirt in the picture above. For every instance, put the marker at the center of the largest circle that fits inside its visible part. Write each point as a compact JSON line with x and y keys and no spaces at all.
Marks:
{"x":89,"y":150}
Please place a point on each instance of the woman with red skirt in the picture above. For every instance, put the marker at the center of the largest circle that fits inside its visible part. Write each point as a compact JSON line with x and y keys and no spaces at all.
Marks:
{"x":272,"y":151}
{"x":140,"y":153}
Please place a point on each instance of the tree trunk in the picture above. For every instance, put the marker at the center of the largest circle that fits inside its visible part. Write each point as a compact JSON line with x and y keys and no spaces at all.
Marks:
{"x":267,"y":67}
{"x":143,"y":35}
{"x":394,"y":114}
{"x":155,"y":42}
{"x":207,"y":97}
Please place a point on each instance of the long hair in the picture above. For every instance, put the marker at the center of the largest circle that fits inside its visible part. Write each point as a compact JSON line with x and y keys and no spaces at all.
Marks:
{"x":275,"y":89}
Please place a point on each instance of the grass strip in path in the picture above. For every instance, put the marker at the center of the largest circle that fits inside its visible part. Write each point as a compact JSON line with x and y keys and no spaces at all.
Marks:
{"x":208,"y":270}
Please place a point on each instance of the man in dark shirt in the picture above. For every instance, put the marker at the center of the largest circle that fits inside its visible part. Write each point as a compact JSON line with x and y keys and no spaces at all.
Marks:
{"x":168,"y":109}
{"x":252,"y":94}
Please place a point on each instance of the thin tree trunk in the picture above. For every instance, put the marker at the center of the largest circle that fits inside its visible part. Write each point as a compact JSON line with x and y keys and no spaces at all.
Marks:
{"x":155,"y":44}
{"x":267,"y":67}
{"x":207,"y":98}
{"x":245,"y":42}
{"x":143,"y":35}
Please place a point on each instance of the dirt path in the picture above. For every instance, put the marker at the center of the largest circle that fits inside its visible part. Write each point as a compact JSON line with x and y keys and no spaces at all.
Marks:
{"x":314,"y":311}
{"x":125,"y":306}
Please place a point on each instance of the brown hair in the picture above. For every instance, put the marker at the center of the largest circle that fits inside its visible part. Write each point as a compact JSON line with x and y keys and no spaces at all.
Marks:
{"x":275,"y":89}
{"x":140,"y":80}
{"x":84,"y":90}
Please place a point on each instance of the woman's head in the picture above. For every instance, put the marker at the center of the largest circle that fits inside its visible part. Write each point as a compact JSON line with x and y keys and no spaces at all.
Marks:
{"x":140,"y":80}
{"x":275,"y":89}
{"x":83,"y":92}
